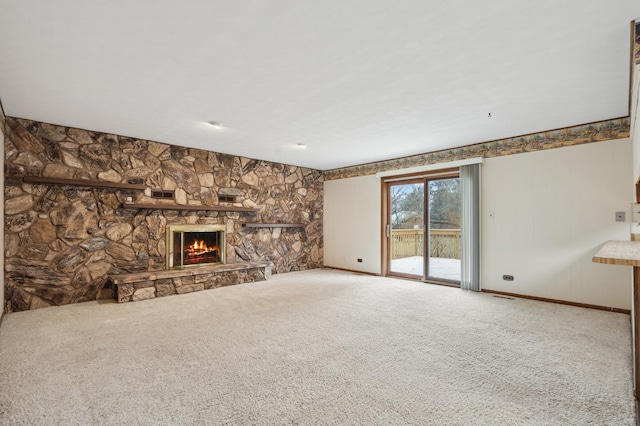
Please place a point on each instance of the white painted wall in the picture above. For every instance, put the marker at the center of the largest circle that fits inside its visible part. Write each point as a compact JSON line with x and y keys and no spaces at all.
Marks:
{"x":552,"y":212}
{"x":352,"y":215}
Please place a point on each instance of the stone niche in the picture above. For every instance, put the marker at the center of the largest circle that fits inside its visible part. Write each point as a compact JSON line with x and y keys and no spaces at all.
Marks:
{"x":63,"y":242}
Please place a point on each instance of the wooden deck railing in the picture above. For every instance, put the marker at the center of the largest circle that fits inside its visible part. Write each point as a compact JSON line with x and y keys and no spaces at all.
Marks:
{"x":445,"y":243}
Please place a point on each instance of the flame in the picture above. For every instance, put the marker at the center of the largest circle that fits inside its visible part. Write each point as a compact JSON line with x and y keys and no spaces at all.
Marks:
{"x":200,"y":248}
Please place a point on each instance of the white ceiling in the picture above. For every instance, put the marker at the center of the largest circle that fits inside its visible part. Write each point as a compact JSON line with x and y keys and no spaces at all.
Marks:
{"x":355,"y":80}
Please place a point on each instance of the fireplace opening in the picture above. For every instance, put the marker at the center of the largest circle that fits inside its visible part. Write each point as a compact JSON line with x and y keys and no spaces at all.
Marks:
{"x":201,"y":247}
{"x":195,"y":245}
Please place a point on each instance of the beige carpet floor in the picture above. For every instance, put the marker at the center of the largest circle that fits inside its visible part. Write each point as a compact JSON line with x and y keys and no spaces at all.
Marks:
{"x":317,"y":347}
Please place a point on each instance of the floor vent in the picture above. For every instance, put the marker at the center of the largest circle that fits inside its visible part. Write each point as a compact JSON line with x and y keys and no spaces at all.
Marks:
{"x":505,"y":297}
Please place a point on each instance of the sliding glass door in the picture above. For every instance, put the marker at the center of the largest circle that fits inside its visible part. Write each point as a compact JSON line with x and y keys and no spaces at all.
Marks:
{"x":444,"y":230}
{"x":423,"y":231}
{"x":406,"y":228}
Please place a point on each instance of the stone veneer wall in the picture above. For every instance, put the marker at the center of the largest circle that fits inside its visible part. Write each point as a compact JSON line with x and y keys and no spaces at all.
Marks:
{"x":636,"y":44}
{"x":62,"y":242}
{"x":2,"y":132}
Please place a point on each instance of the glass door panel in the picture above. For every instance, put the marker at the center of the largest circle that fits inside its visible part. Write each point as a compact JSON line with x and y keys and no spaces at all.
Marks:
{"x":407,"y":219}
{"x":444,"y":211}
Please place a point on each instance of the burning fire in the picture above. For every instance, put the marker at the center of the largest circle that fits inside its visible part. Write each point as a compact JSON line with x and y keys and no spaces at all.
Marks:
{"x":199,"y":248}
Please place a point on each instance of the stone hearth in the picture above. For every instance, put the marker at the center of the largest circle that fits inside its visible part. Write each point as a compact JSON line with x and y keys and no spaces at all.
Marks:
{"x":149,"y":285}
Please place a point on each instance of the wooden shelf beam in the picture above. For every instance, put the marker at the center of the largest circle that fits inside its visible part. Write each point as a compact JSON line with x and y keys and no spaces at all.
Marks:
{"x":81,"y":182}
{"x":191,"y":208}
{"x":273,"y":225}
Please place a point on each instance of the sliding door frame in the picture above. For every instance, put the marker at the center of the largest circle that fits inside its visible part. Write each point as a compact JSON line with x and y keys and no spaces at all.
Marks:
{"x":387,"y":223}
{"x":386,"y":183}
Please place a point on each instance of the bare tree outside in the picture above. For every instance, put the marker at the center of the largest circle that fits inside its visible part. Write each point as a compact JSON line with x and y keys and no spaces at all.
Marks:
{"x":407,"y":205}
{"x":444,"y":204}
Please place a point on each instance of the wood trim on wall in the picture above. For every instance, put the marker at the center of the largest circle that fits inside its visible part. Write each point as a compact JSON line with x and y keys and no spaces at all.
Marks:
{"x":372,"y":274}
{"x":445,"y":283}
{"x":632,"y":48}
{"x":635,"y":300}
{"x":433,"y":174}
{"x":384,"y":252}
{"x":636,"y":323}
{"x":560,"y":302}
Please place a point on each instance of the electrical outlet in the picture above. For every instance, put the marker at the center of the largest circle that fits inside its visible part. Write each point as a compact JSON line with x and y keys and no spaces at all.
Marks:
{"x":359,"y":260}
{"x":507,"y":277}
{"x":620,"y":216}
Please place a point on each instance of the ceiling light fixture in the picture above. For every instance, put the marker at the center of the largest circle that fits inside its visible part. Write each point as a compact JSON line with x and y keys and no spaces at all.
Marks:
{"x":301,"y":145}
{"x":216,"y":124}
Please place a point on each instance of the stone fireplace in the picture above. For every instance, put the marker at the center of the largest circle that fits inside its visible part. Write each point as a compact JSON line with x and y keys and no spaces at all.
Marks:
{"x":195,"y":245}
{"x":82,"y":221}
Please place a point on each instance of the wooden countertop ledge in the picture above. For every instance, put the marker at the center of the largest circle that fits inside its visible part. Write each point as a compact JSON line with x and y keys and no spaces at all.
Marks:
{"x":625,"y":253}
